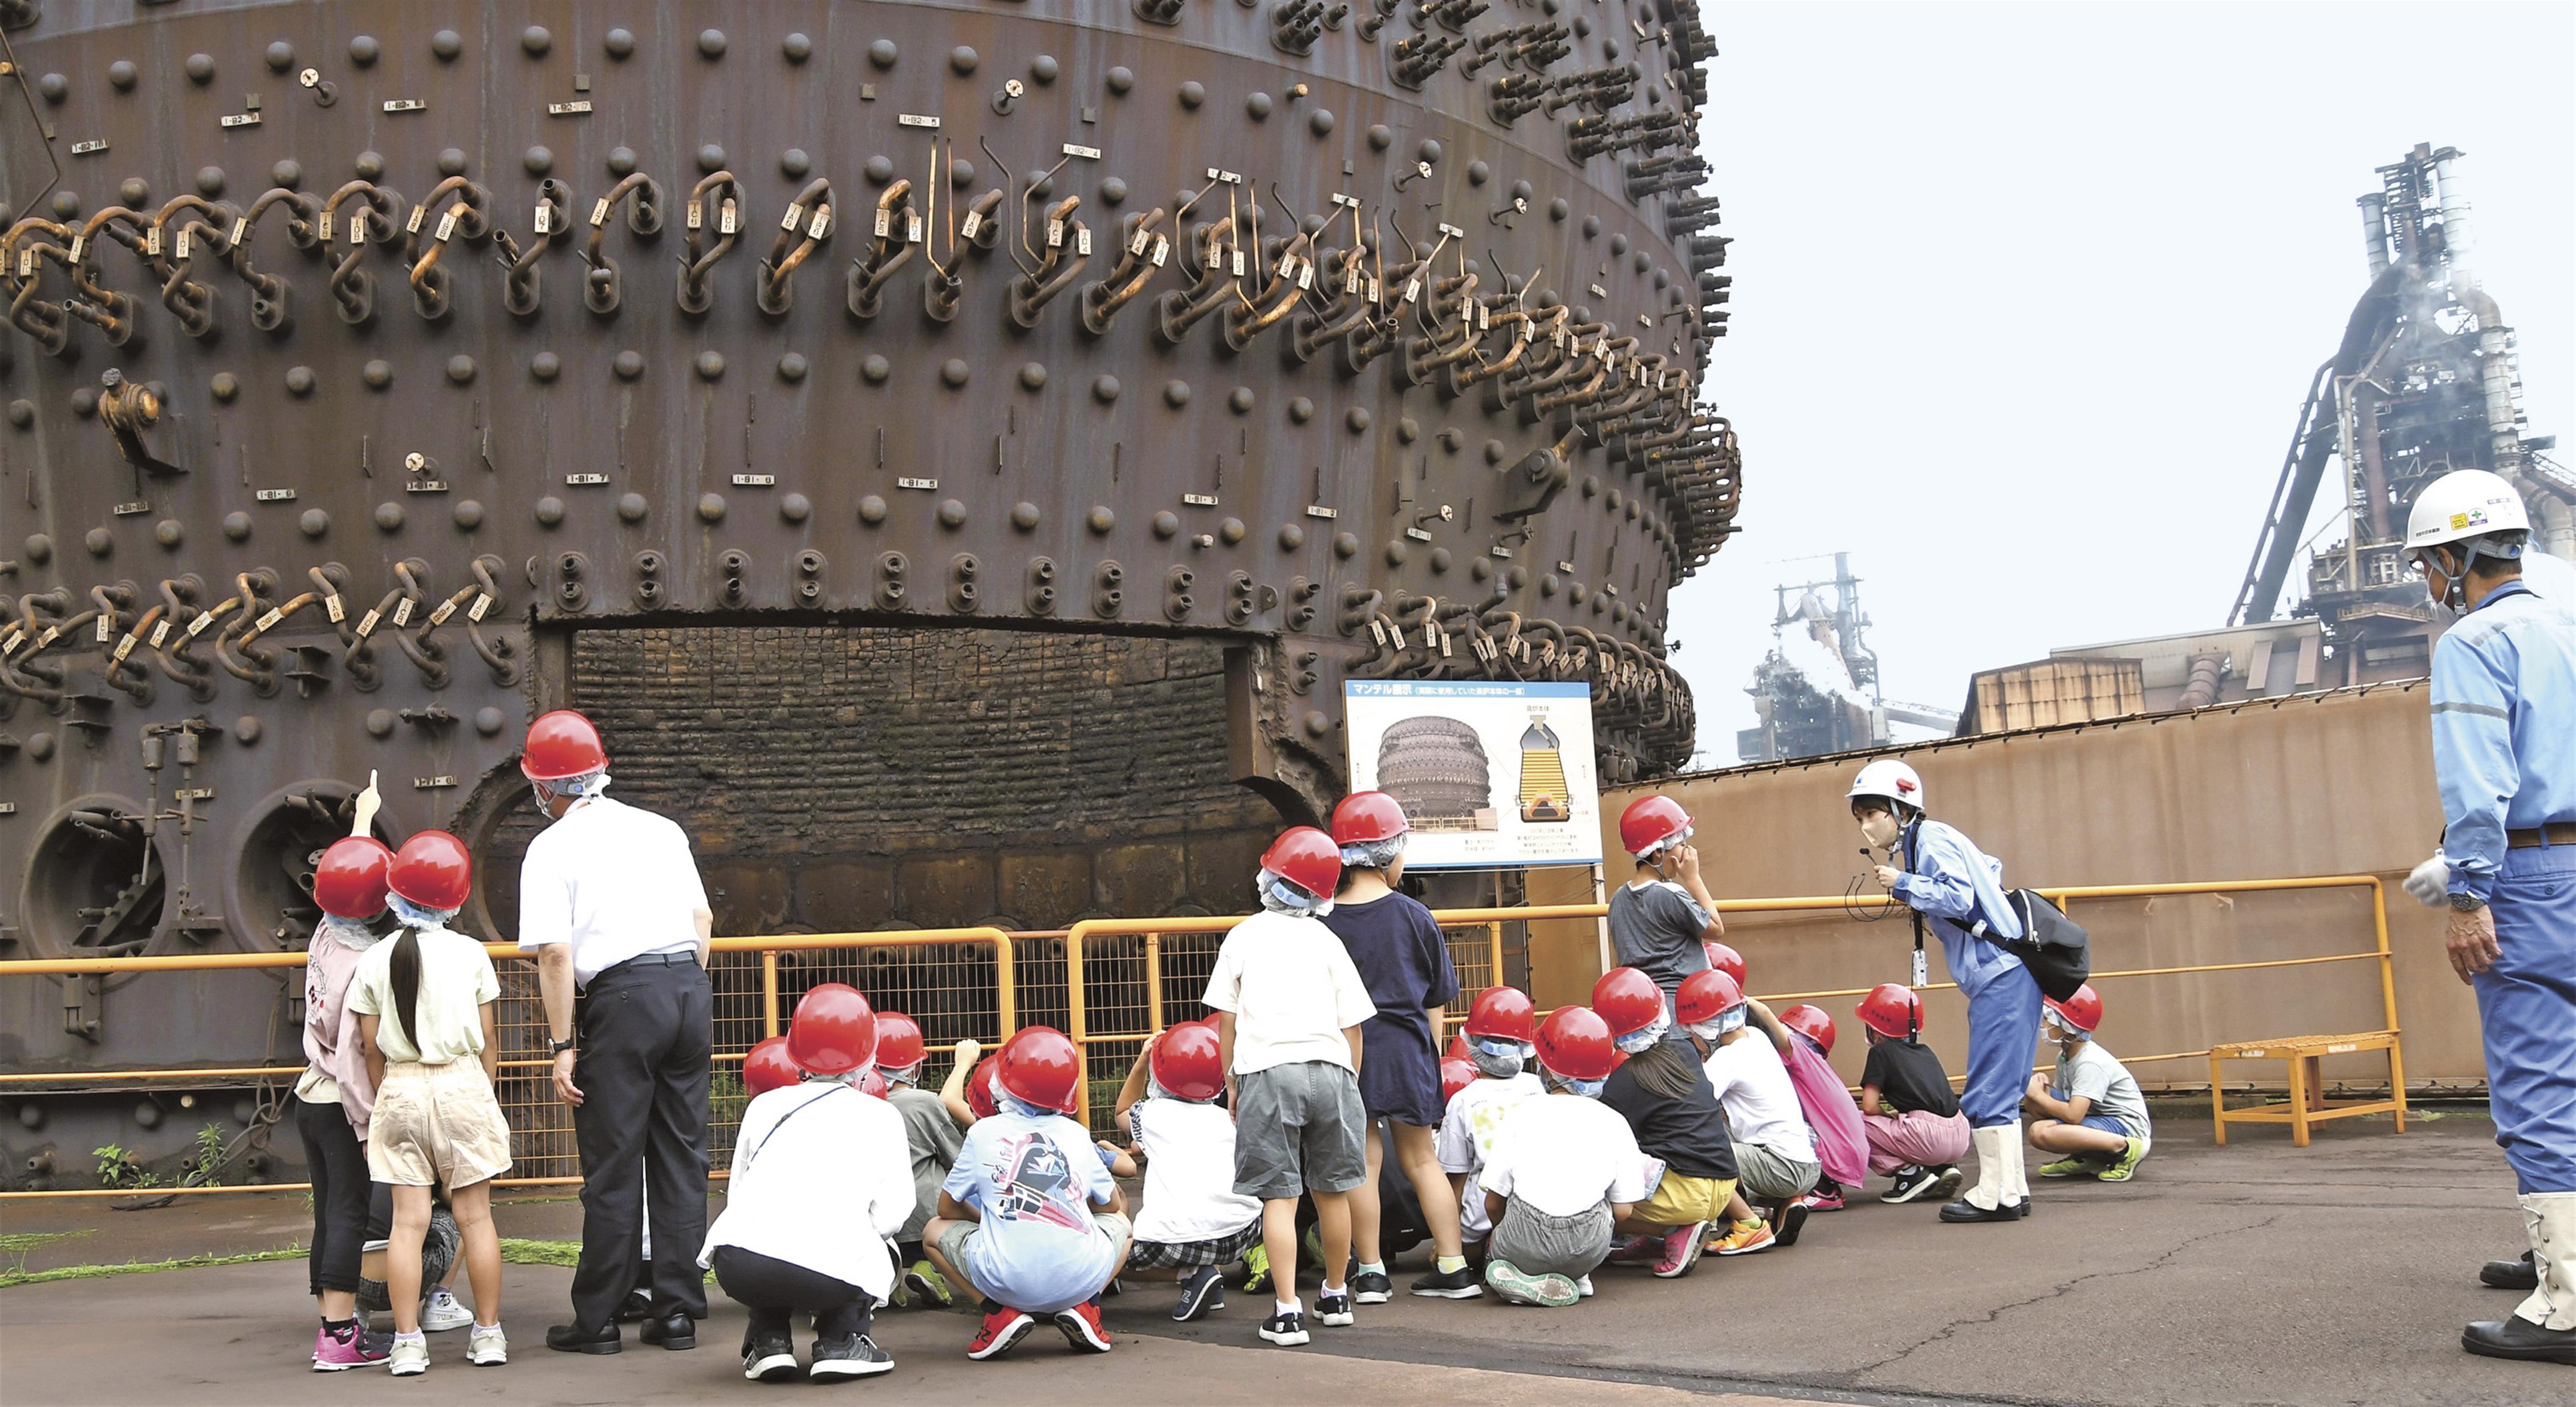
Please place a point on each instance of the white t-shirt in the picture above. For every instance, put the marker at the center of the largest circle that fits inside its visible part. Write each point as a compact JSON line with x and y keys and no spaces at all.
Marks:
{"x":1468,"y":1129}
{"x":456,"y":978}
{"x":1563,"y":1154}
{"x":1189,"y":1173}
{"x":1761,"y":1103}
{"x":614,"y":882}
{"x":1292,"y":989}
{"x":822,"y":1189}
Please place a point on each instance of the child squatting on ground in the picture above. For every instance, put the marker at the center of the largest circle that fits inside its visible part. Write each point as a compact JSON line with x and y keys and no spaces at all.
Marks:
{"x":1666,"y":1098}
{"x":1563,"y":1171}
{"x":2091,"y":1111}
{"x":1916,"y":1133}
{"x":1501,"y":1027}
{"x":1192,"y":1220}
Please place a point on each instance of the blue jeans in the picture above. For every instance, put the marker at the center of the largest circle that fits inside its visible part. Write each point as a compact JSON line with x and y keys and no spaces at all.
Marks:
{"x":2003,"y":1042}
{"x":2527,"y":1016}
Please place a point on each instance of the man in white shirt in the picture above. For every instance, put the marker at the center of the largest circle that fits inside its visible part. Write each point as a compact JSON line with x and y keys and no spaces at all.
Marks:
{"x":611,"y":903}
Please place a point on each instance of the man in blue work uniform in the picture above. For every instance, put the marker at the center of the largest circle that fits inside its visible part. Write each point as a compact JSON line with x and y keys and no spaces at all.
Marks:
{"x":1943,"y":877}
{"x":2504,"y":751}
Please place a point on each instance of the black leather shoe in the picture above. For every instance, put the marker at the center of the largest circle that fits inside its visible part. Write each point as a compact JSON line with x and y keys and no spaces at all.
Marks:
{"x":2511,"y":1274}
{"x":637,"y":1308}
{"x":1965,"y":1210}
{"x":675,"y":1330}
{"x":2516,"y":1337}
{"x":572,"y":1338}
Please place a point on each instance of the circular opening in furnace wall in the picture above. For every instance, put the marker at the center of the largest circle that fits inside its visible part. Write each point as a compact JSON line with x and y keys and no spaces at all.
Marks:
{"x":272,"y":879}
{"x":96,"y":883}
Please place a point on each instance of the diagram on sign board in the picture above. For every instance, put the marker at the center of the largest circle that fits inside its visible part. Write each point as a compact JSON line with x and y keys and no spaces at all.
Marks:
{"x":1489,"y":773}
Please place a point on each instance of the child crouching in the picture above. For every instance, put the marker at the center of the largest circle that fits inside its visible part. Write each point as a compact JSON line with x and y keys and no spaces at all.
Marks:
{"x":1192,"y":1220}
{"x":1565,"y":1170}
{"x":1916,"y":1133}
{"x":1500,"y":1028}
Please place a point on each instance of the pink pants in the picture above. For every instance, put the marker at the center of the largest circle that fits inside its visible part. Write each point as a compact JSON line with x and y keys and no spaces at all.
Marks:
{"x":1918,"y":1137}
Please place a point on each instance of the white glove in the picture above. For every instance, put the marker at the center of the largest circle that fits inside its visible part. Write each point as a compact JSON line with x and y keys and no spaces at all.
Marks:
{"x":2430,"y":882}
{"x":363,"y":821}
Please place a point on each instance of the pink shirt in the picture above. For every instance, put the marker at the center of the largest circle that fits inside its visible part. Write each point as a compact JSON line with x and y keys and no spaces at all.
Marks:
{"x":332,"y":1053}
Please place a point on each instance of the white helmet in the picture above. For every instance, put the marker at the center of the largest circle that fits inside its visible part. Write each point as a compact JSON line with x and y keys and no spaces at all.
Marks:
{"x":1889,"y":780}
{"x":2464,"y":504}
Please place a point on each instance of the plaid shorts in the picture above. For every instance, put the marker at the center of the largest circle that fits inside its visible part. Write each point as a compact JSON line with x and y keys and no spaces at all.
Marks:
{"x":1189,"y":1255}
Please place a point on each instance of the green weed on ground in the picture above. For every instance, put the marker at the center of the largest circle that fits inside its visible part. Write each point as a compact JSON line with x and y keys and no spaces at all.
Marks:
{"x":14,"y":1249}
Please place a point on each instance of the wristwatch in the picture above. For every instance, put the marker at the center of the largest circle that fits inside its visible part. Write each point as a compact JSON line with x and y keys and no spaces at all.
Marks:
{"x":2466,"y":903}
{"x":559,"y":1047}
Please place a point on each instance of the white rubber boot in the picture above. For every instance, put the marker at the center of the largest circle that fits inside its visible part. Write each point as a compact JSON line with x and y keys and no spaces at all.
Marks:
{"x":2019,"y":1197}
{"x":2543,"y":1327}
{"x":1985,"y":1201}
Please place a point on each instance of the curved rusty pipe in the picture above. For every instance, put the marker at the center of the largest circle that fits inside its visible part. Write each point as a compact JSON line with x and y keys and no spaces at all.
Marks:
{"x":795,"y":242}
{"x":1358,"y":606}
{"x":1058,"y":266}
{"x":1138,"y":239}
{"x":694,"y":294}
{"x":886,"y":253}
{"x":357,"y":654}
{"x":141,"y":686}
{"x":272,"y":303}
{"x":523,"y":291}
{"x":353,"y":289}
{"x":1183,"y":309}
{"x":643,"y":196}
{"x":29,"y":311}
{"x":429,"y":282}
{"x":496,"y":654}
{"x":979,"y":227}
{"x":1276,"y":301}
{"x":193,"y":303}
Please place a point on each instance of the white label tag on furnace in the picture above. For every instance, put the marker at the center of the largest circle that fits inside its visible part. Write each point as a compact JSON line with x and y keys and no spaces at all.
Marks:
{"x":1238,"y":263}
{"x":885,"y":221}
{"x":821,"y":222}
{"x":482,"y":603}
{"x":1444,"y":647}
{"x":974,"y":221}
{"x":1350,"y":278}
{"x":725,"y":222}
{"x":545,"y":219}
{"x":198,"y":626}
{"x":1055,"y":234}
{"x":324,"y":225}
{"x":697,"y":213}
{"x":27,"y":261}
{"x":912,"y":227}
{"x":160,"y":632}
{"x":124,"y":647}
{"x":331,"y":605}
{"x":52,"y":633}
{"x":241,"y":228}
{"x":1082,"y":240}
{"x":447,"y":224}
{"x":599,"y":212}
{"x":795,"y":215}
{"x":1411,"y":287}
{"x":418,"y":213}
{"x":179,"y":246}
{"x":1135,"y":246}
{"x":152,"y":241}
{"x":402,"y":611}
{"x":1162,"y":250}
{"x":1379,"y":631}
{"x":106,"y":629}
{"x":439,"y":615}
{"x":1305,"y":276}
{"x":79,"y":243}
{"x":358,"y":225}
{"x":367,"y":624}
{"x":1922,"y":969}
{"x":273,"y":617}
{"x":1287,"y":266}
{"x":1484,"y":317}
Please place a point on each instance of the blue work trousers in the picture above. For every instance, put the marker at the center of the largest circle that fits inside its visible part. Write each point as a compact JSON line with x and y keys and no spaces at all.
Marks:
{"x":2003,"y":1045}
{"x":2527,"y":1016}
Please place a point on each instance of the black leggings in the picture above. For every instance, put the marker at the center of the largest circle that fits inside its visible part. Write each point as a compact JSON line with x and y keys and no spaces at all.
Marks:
{"x":774,"y":1290}
{"x":337,"y":1165}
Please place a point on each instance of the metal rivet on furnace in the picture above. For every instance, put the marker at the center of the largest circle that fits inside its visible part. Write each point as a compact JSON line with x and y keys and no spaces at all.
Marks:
{"x":711,"y":159}
{"x":236,"y":527}
{"x":1548,"y":585}
{"x":378,"y":374}
{"x":210,"y":181}
{"x":1479,"y":568}
{"x":136,"y":191}
{"x":170,"y":532}
{"x":880,"y":169}
{"x":40,"y":548}
{"x":380,"y":722}
{"x":1407,"y":430}
{"x":281,"y":56}
{"x":1380,"y":136}
{"x":793,"y":163}
{"x":66,"y":204}
{"x":1591,"y":485}
{"x":1024,"y":516}
{"x":1356,"y":418}
{"x":364,"y":50}
{"x":1291,"y":537}
{"x":22,"y":413}
{"x":468,"y":515}
{"x":488,"y":720}
{"x":876,"y":369}
{"x":85,"y":401}
{"x":952,"y":513}
{"x":795,"y":508}
{"x":872,"y":510}
{"x":1176,"y":394}
{"x":1320,"y":121}
{"x":40,"y":746}
{"x":1479,"y":173}
{"x":1231,"y":531}
{"x":446,"y":44}
{"x":1101,"y":520}
{"x":791,"y":366}
{"x":200,"y":69}
{"x":1440,"y":559}
{"x":1257,"y":106}
{"x":1113,"y":191}
{"x":1193,"y":93}
{"x":633,"y":508}
{"x":1317,"y":725}
{"x":628,"y":364}
{"x":621,"y":161}
{"x":961,"y":174}
{"x":619,"y":43}
{"x":99,"y":541}
{"x":546,"y":366}
{"x":711,"y":43}
{"x":289,"y":174}
{"x":954,"y":372}
{"x":460,"y":369}
{"x":550,"y":511}
{"x":314,"y":523}
{"x":1119,"y":79}
{"x":1346,"y":545}
{"x":370,"y":165}
{"x":710,"y":364}
{"x":1494,"y":451}
{"x":711,"y":507}
{"x":1044,"y":68}
{"x":1428,"y":151}
{"x":1033,"y":375}
{"x":1166,"y":523}
{"x":1301,"y":410}
{"x":797,"y":48}
{"x":1104,"y":389}
{"x":538,"y":160}
{"x":1396,"y":552}
{"x":536,"y":40}
{"x":882,"y":53}
{"x":389,"y":516}
{"x":963,"y":59}
{"x":122,"y":75}
{"x":1591,"y":227}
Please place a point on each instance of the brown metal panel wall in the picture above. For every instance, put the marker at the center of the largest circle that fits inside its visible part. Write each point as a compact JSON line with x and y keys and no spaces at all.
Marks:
{"x":2338,"y":783}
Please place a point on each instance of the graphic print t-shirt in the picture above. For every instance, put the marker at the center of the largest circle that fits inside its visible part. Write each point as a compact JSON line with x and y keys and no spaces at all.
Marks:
{"x":1034,"y":1181}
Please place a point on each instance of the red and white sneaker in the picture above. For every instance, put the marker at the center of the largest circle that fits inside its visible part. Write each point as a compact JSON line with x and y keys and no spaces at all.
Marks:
{"x":1003,"y":1328}
{"x":1082,"y":1327}
{"x":349,"y":1348}
{"x":1823,"y":1201}
{"x":1681,"y":1250}
{"x":1639,"y":1250}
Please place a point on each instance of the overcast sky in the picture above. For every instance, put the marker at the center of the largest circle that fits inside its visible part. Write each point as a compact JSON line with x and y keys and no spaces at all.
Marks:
{"x":2027,"y":297}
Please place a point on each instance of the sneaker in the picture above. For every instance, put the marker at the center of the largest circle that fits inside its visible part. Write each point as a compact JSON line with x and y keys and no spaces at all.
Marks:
{"x":924,"y":1283}
{"x":487,"y":1346}
{"x":441,"y":1312}
{"x":1910,"y":1182}
{"x":1459,"y":1284}
{"x":1286,"y":1330}
{"x":1003,"y":1328}
{"x":339,"y":1350}
{"x":1334,"y":1310}
{"x":2125,"y":1168}
{"x":1082,"y":1327}
{"x":1583,"y":1286}
{"x":1514,"y":1286}
{"x":2076,"y":1166}
{"x":1821,"y":1200}
{"x":1203,"y":1291}
{"x":1256,"y":1270}
{"x":1681,"y":1251}
{"x":769,"y":1357}
{"x":1371,"y":1287}
{"x":1744,"y":1238}
{"x":1945,"y":1182}
{"x":854,"y":1357}
{"x":1788,"y":1219}
{"x":410,"y":1360}
{"x":1640,"y":1250}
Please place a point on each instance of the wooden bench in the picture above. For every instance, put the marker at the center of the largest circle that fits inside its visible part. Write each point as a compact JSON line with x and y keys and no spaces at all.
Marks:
{"x":2307,"y":1103}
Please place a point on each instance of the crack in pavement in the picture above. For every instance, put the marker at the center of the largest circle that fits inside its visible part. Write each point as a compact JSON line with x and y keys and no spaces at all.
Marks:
{"x":2058,"y":1291}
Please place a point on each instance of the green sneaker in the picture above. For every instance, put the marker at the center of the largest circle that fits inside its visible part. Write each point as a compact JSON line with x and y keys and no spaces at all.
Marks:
{"x":1256,"y":1269}
{"x":2077,"y":1166}
{"x":1515,"y":1286}
{"x":923,"y":1282}
{"x":2126,"y":1166}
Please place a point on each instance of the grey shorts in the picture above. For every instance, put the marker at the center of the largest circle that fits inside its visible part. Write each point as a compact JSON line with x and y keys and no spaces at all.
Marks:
{"x":1299,"y":1128}
{"x":1764,"y":1176}
{"x":1539,"y":1244}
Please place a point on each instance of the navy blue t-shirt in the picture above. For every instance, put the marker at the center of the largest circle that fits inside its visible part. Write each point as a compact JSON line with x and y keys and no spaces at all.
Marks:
{"x":1404,"y":962}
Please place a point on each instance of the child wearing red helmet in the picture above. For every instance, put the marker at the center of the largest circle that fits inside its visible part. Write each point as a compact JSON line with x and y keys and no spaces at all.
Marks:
{"x":1775,"y":1153}
{"x":2090,"y":1111}
{"x":1501,"y":1029}
{"x":1663,"y":918}
{"x":334,"y":1097}
{"x":932,"y":1138}
{"x":1563,"y":1172}
{"x":1192,"y":1219}
{"x":1668,"y":1102}
{"x":1289,"y":1009}
{"x":1909,"y":1112}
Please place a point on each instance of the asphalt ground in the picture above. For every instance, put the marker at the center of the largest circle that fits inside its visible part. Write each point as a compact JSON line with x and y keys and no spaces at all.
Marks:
{"x":2253,"y":1274}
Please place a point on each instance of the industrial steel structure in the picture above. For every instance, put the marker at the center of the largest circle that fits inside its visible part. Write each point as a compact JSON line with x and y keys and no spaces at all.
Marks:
{"x":956,"y":448}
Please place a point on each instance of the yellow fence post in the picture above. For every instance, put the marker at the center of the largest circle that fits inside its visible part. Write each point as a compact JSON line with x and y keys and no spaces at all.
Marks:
{"x":1153,"y":983}
{"x":1078,"y":1016}
{"x":1006,"y":983}
{"x":769,"y":992}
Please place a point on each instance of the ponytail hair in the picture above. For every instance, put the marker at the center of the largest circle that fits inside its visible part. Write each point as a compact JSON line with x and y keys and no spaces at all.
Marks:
{"x":1667,"y":1070}
{"x":405,"y":971}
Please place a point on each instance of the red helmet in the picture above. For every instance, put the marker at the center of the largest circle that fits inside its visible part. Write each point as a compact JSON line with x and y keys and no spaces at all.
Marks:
{"x":1575,"y":1043}
{"x":1455,"y":1075}
{"x":1306,"y":858}
{"x":898,"y":1041}
{"x":561,"y":744}
{"x":432,"y":870}
{"x":1457,"y":1049}
{"x":873,"y":1082}
{"x":979,"y":1090}
{"x":1503,"y":1014}
{"x":2083,"y":1011}
{"x":1892,"y":1011}
{"x":1186,"y":1061}
{"x":1726,"y":960}
{"x":1627,"y":1000}
{"x":833,"y":1031}
{"x":769,"y":1067}
{"x":1365,"y":816}
{"x":349,"y":880}
{"x":1705,"y":996}
{"x":1040,"y":1066}
{"x":1811,"y":1022}
{"x":1649,"y":821}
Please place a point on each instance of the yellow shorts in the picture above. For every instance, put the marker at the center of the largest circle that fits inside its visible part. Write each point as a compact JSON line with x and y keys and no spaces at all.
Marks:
{"x":437,"y":1124}
{"x":1679,"y":1200}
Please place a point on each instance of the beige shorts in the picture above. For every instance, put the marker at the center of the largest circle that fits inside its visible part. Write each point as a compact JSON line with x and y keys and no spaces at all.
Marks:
{"x":437,"y":1124}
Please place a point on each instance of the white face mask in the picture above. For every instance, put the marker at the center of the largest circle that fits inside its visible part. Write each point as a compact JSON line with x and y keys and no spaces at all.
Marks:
{"x":1879,"y":829}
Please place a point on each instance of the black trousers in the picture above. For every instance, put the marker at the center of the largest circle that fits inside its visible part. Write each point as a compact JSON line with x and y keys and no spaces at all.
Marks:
{"x":645,"y":1031}
{"x":774,"y":1290}
{"x":336,"y":1162}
